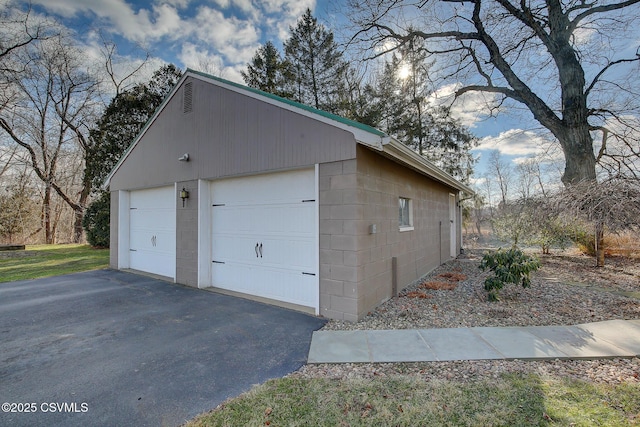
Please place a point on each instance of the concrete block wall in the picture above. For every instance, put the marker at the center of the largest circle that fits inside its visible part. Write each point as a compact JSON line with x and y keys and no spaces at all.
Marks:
{"x":341,"y":211}
{"x":419,"y":250}
{"x":355,"y":264}
{"x":187,"y":235}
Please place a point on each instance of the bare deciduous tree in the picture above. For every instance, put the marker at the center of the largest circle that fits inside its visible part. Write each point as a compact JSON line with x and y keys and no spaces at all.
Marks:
{"x":569,"y":63}
{"x":613,"y":203}
{"x":6,"y":158}
{"x":18,"y":208}
{"x":19,"y":30}
{"x":112,"y":62}
{"x":46,"y":110}
{"x":503,"y":173}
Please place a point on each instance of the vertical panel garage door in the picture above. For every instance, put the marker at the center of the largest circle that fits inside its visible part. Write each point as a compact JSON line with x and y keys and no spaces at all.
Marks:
{"x":264,"y":236}
{"x":152,"y":231}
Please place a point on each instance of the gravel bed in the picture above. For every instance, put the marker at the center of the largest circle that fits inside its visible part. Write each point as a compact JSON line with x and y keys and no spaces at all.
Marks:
{"x":567,"y":290}
{"x":555,"y":298}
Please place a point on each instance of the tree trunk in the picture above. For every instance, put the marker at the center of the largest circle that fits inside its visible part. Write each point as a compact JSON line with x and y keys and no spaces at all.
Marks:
{"x":573,"y":130}
{"x":599,"y":243}
{"x":77,"y":225}
{"x":580,"y":161}
{"x":46,"y":215}
{"x":79,"y":211}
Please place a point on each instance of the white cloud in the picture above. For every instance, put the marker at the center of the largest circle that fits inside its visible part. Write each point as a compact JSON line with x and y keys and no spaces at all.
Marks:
{"x":244,"y":5}
{"x":470,"y":108}
{"x":515,"y":142}
{"x":220,"y":31}
{"x":477,"y":182}
{"x":583,"y":35}
{"x":66,"y":8}
{"x":180,"y":4}
{"x":222,"y":3}
{"x":194,"y":58}
{"x":202,"y":60}
{"x":141,"y":26}
{"x":286,"y":13}
{"x":236,"y":39}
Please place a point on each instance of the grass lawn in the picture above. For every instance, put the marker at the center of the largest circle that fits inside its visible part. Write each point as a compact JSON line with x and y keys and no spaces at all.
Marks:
{"x":52,"y":260}
{"x":510,"y":400}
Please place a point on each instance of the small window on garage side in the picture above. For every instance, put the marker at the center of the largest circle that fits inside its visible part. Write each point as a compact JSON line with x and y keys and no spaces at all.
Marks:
{"x":405,"y":216}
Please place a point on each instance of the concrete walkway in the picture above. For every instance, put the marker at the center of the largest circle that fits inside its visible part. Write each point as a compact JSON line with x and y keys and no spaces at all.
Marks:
{"x":612,"y":338}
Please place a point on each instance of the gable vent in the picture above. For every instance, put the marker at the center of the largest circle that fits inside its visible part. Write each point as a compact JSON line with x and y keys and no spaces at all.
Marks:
{"x":187,"y":98}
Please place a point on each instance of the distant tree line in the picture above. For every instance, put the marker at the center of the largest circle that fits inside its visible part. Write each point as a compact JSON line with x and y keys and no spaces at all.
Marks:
{"x":64,"y":122}
{"x":524,"y":206}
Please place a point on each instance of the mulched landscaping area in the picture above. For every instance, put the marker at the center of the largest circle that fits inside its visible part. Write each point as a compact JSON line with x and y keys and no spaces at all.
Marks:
{"x":567,"y":290}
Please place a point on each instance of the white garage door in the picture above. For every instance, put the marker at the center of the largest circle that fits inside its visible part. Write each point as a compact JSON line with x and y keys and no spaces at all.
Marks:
{"x":152,"y":231}
{"x":264,"y":236}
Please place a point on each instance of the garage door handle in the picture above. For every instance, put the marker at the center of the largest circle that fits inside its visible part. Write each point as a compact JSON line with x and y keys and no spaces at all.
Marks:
{"x":260,"y":250}
{"x":256,"y":249}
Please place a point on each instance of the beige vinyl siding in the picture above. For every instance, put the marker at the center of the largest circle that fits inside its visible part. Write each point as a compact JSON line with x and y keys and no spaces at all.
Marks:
{"x":227,"y":134}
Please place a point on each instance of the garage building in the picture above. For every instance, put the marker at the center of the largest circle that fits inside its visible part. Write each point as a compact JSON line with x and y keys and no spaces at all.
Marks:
{"x":238,"y":190}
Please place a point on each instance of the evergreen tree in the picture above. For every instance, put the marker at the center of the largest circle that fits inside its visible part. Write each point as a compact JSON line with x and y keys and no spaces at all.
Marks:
{"x":316,"y":65}
{"x":118,"y":127}
{"x":123,"y":119}
{"x":357,"y":101}
{"x":268,"y":72}
{"x":403,"y":92}
{"x":96,"y":221}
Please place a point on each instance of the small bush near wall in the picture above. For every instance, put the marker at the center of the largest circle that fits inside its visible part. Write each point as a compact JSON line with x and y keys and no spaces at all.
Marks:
{"x":510,"y":266}
{"x":96,"y":221}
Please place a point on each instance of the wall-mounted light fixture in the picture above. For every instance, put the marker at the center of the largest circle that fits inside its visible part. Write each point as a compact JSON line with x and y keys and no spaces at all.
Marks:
{"x":184,"y":195}
{"x":184,"y":158}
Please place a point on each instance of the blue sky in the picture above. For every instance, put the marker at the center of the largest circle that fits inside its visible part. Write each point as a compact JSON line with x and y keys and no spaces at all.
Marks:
{"x":221,"y":36}
{"x":225,"y":33}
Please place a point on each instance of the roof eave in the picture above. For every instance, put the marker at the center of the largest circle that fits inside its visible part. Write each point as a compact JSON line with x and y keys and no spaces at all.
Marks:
{"x":400,"y":152}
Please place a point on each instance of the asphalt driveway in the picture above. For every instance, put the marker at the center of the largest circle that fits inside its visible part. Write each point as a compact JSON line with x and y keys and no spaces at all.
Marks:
{"x":113,"y":348}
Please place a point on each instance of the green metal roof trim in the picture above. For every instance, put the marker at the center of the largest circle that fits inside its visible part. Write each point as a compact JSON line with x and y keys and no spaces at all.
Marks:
{"x":331,"y":116}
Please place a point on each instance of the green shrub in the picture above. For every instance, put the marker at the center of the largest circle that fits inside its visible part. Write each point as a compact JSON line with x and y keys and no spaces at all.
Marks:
{"x":510,"y":266}
{"x":96,"y":221}
{"x":585,"y":241}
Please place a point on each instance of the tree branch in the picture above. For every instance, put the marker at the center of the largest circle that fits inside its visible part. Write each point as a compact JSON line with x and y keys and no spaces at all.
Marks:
{"x":606,"y":68}
{"x":32,"y":154}
{"x":523,"y":93}
{"x":491,"y":89}
{"x":599,"y":9}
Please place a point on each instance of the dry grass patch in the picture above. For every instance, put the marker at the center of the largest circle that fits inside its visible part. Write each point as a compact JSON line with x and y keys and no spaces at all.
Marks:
{"x":439,"y":285}
{"x":449,"y":283}
{"x":623,"y":244}
{"x":417,"y":294}
{"x":452,"y":276}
